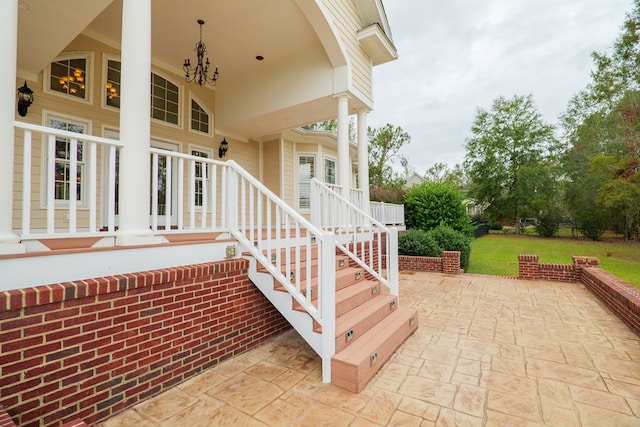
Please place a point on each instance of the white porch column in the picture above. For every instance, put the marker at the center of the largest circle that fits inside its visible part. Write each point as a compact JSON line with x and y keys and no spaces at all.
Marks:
{"x":363,"y":160}
{"x":9,"y":242}
{"x":344,"y":163}
{"x":135,"y":126}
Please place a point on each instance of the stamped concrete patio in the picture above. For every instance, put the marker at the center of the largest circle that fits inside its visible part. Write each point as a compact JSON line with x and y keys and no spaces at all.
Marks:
{"x":489,"y":351}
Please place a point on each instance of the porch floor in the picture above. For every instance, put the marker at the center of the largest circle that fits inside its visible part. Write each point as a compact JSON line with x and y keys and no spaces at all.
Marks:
{"x":490,"y":351}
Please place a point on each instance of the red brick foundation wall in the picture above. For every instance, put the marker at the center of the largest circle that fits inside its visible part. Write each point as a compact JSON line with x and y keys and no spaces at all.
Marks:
{"x":90,"y":349}
{"x":619,"y":296}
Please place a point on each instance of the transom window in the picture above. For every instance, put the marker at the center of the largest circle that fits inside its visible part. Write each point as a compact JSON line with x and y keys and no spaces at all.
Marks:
{"x":199,"y":118}
{"x":165,"y":96}
{"x":306,"y":171}
{"x":70,"y":76}
{"x":164,"y":99}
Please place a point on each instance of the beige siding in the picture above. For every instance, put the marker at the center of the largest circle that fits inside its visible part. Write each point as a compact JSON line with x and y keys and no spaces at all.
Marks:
{"x":288,"y":172}
{"x":272,"y":165}
{"x":347,"y":20}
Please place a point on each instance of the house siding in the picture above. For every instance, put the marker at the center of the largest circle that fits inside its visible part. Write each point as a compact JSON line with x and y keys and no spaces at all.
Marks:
{"x":273,"y":165}
{"x":90,"y":349}
{"x":346,"y":17}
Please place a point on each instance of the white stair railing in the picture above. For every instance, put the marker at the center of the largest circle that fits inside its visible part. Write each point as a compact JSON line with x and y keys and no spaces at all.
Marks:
{"x":282,"y":240}
{"x":387,"y":213}
{"x":362,"y":238}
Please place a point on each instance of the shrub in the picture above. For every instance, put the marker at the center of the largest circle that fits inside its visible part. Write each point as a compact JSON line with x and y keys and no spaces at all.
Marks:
{"x":387,"y":195}
{"x":548,"y":224}
{"x":418,"y":243}
{"x":449,"y":239}
{"x":592,"y":222}
{"x":432,"y":204}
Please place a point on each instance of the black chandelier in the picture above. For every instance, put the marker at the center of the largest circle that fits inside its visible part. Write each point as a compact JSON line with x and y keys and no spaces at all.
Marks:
{"x":200,"y":73}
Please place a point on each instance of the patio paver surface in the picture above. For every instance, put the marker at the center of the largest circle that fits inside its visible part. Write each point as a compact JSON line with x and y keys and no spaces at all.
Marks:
{"x":489,"y":351}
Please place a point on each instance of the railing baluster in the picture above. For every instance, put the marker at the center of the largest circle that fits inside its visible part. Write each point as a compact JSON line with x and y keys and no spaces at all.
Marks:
{"x":180,"y":195}
{"x":252,"y":222}
{"x":73,"y":184}
{"x":192,"y":195}
{"x":93,"y":184}
{"x":168,"y":201}
{"x":205,"y":198}
{"x":111,"y":190}
{"x":213,"y":176}
{"x":154,"y":192}
{"x":51,"y":182}
{"x":26,"y":184}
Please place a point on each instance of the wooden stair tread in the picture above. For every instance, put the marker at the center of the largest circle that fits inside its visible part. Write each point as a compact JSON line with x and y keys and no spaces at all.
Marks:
{"x":352,"y":368}
{"x":343,"y":280}
{"x":346,"y":321}
{"x":354,"y":324}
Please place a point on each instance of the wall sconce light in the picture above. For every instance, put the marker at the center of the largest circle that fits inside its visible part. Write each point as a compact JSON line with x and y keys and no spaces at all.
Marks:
{"x":25,"y":99}
{"x":224,"y":146}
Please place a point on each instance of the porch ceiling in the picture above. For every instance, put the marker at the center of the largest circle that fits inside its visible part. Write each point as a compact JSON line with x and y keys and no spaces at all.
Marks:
{"x":235,"y":32}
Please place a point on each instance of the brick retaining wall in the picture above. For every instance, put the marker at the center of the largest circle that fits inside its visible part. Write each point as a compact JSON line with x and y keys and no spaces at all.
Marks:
{"x":619,"y":296}
{"x":449,"y":263}
{"x":89,"y":349}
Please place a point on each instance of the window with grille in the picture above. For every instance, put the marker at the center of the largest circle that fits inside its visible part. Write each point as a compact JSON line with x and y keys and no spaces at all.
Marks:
{"x":202,"y":171}
{"x":63,"y":181}
{"x":164,"y":99}
{"x":329,"y":171}
{"x":199,"y":118}
{"x":112,"y":88}
{"x":69,"y":75}
{"x":306,"y":171}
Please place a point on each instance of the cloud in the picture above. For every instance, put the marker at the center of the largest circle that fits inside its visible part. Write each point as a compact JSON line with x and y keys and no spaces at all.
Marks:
{"x":459,"y":55}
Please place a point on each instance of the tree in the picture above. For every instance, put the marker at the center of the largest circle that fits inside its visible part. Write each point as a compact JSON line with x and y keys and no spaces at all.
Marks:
{"x":510,"y":158}
{"x":384,"y":146}
{"x":602,"y":127}
{"x":440,"y":172}
{"x":332,"y":126}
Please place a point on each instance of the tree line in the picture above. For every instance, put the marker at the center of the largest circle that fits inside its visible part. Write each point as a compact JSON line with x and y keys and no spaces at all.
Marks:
{"x":584,"y":172}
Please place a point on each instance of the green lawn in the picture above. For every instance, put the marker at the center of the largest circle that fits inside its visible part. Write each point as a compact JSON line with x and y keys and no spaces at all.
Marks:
{"x":498,"y":254}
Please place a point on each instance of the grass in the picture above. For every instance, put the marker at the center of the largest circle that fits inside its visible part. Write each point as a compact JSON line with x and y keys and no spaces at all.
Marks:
{"x":498,"y":254}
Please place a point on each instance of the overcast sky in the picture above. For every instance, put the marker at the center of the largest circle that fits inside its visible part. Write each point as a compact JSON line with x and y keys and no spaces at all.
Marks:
{"x":458,"y":55}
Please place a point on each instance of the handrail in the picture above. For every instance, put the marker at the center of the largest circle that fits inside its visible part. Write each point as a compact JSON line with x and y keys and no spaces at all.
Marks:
{"x":282,"y":241}
{"x":357,"y":234}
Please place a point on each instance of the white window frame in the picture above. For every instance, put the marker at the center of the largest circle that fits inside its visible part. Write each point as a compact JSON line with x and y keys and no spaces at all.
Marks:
{"x":193,"y":98}
{"x":209,"y":153}
{"x":47,"y":116}
{"x":178,"y":125}
{"x":335,"y":170}
{"x":300,"y":181}
{"x":88,"y":73}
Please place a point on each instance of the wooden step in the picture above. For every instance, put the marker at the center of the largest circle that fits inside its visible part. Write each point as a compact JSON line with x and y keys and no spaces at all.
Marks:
{"x":342,"y":262}
{"x":345,"y":277}
{"x":357,"y":294}
{"x":353,"y":367}
{"x":352,"y":325}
